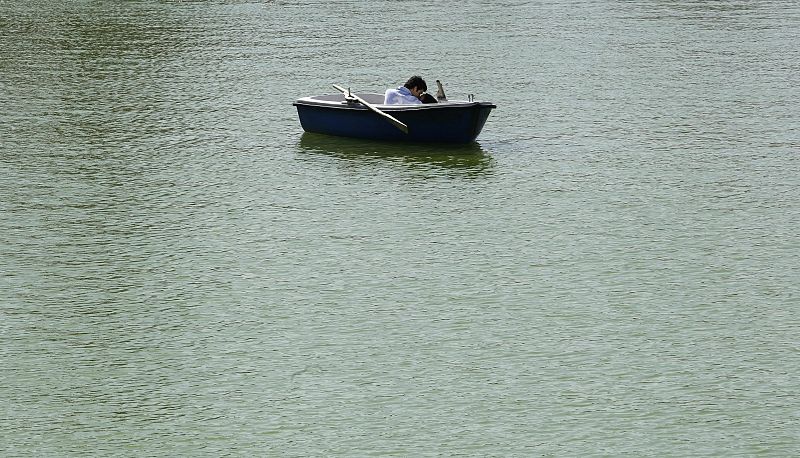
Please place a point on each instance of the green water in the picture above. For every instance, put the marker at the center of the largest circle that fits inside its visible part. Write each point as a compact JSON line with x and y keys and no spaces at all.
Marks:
{"x":610,"y":270}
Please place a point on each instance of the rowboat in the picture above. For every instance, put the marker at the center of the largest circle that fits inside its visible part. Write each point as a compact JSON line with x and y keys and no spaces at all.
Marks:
{"x":363,"y":115}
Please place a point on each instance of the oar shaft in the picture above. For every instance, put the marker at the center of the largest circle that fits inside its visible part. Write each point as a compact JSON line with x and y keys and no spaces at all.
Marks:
{"x":375,"y":109}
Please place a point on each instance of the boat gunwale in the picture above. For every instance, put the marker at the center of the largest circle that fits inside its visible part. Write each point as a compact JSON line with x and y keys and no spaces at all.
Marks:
{"x":342,"y":104}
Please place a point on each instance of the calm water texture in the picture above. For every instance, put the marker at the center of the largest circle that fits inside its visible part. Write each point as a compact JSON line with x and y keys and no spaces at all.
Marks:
{"x":611,"y":270}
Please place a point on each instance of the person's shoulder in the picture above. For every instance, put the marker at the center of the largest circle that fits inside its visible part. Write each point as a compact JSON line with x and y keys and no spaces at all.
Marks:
{"x":390,"y":96}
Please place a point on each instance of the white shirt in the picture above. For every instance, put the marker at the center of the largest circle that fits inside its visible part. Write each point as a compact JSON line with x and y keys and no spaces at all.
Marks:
{"x":400,"y":96}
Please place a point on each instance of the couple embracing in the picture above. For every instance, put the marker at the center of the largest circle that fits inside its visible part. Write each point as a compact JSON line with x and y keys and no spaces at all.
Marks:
{"x":413,"y":92}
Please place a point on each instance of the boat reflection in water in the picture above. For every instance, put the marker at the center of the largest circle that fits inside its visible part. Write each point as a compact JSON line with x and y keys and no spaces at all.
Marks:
{"x":469,"y":157}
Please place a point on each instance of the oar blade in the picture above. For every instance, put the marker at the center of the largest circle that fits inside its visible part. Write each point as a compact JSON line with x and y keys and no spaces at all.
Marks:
{"x":399,"y":125}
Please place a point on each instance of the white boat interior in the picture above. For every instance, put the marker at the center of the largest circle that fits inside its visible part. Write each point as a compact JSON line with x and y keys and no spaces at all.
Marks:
{"x":374,"y":99}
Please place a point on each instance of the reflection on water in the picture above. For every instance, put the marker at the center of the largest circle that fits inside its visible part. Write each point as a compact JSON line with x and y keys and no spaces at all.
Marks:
{"x":470,"y":157}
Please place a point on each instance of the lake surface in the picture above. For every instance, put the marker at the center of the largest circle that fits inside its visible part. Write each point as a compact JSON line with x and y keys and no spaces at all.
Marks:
{"x":612,"y":269}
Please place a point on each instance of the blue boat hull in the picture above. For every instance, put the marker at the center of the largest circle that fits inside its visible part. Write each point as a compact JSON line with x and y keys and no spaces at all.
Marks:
{"x":458,"y":122}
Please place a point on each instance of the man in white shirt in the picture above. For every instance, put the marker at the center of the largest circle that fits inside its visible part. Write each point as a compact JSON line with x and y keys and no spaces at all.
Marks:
{"x":408,"y":93}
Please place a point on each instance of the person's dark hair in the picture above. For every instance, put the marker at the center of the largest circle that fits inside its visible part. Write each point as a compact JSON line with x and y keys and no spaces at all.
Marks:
{"x":416,"y":82}
{"x":427,"y":98}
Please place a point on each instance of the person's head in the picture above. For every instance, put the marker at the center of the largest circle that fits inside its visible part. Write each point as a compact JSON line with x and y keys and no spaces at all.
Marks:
{"x":427,"y":98}
{"x":416,"y":85}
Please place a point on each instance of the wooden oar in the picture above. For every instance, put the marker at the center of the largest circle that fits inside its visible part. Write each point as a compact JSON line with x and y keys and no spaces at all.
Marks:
{"x":372,"y":107}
